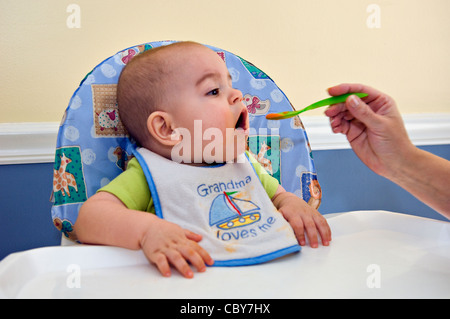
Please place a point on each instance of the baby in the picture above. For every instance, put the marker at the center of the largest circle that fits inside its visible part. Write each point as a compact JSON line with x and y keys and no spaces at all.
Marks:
{"x":210,"y":197}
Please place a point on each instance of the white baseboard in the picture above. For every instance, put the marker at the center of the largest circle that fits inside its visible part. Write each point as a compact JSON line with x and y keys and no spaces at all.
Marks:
{"x":25,"y":143}
{"x":423,"y":129}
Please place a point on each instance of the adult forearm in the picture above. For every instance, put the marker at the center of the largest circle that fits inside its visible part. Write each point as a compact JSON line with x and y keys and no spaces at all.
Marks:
{"x":427,"y":177}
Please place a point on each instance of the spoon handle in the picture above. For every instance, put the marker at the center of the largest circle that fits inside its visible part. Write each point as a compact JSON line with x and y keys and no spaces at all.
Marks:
{"x":328,"y":101}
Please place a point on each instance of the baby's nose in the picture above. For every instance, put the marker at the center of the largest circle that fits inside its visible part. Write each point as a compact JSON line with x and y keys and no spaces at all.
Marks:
{"x":235,"y":96}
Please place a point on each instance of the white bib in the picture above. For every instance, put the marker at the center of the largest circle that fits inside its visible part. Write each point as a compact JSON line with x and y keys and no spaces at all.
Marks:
{"x":226,"y":204}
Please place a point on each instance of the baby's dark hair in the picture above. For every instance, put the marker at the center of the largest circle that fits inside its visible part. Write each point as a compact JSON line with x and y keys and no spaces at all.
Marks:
{"x":140,"y":91}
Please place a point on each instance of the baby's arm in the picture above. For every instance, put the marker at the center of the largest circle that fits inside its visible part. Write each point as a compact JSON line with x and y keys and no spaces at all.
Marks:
{"x":104,"y":219}
{"x":302,"y":217}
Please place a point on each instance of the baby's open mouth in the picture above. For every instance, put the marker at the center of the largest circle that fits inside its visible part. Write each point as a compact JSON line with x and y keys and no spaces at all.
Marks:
{"x":242,"y":121}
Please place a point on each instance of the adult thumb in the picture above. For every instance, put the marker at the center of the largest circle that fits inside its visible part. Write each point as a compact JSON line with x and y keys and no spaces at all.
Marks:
{"x":362,"y":111}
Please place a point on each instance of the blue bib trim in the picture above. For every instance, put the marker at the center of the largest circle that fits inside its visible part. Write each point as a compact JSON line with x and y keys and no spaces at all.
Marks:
{"x":257,"y":260}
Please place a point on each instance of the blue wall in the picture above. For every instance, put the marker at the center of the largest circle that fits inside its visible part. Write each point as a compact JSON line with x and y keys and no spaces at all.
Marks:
{"x":25,"y":220}
{"x":347,"y":184}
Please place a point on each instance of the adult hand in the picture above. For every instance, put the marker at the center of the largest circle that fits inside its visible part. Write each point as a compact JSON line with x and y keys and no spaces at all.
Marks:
{"x":373,"y":126}
{"x":377,"y":135}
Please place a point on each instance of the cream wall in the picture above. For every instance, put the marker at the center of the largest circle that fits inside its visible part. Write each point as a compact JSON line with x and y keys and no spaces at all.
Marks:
{"x":304,"y":45}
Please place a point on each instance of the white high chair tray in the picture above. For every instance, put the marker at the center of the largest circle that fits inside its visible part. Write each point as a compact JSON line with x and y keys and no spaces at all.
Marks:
{"x":374,"y":254}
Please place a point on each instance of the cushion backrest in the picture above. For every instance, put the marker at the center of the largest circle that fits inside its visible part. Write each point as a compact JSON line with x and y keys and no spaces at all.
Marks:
{"x":93,"y":146}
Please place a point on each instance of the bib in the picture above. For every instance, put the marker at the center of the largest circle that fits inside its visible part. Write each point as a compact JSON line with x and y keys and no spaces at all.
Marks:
{"x":226,"y":204}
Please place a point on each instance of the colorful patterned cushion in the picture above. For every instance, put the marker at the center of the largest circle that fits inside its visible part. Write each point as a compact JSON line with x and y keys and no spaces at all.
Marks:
{"x":93,"y":146}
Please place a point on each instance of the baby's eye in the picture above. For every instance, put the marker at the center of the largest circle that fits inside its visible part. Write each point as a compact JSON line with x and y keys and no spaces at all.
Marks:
{"x":213,"y":92}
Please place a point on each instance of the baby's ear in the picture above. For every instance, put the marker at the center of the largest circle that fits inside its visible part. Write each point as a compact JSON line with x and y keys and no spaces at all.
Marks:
{"x":159,"y":125}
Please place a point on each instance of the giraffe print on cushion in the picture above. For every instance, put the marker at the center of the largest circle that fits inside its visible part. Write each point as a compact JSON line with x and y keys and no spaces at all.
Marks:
{"x":62,"y":179}
{"x":68,"y":178}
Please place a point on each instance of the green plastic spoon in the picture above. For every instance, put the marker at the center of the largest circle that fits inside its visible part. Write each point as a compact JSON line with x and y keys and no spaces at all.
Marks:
{"x":324,"y":102}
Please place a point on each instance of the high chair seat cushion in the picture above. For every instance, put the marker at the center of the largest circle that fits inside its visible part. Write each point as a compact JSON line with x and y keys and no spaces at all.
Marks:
{"x":93,"y":146}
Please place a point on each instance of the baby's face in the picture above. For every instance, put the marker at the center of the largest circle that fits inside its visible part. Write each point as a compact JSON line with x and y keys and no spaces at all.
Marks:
{"x":204,"y":103}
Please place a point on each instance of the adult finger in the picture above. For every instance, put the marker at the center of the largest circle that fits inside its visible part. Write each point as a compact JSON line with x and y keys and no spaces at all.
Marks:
{"x":362,"y":111}
{"x":345,"y":88}
{"x":335,"y":109}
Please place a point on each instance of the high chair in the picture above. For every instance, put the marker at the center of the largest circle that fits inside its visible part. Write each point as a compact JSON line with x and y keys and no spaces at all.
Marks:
{"x":93,"y":146}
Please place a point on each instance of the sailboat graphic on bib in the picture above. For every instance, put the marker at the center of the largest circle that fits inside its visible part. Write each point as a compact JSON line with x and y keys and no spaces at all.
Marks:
{"x":228,"y":211}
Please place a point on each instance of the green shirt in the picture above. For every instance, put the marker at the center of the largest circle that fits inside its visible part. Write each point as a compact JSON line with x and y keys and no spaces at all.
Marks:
{"x":132,"y":189}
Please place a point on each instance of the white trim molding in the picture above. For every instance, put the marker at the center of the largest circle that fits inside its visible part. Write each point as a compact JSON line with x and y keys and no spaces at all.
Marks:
{"x":423,"y":129}
{"x":26,"y":143}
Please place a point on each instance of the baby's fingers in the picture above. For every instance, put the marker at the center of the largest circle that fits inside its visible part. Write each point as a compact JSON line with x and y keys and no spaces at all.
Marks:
{"x":192,"y":236}
{"x":203,"y":253}
{"x":324,"y":229}
{"x":311,"y":232}
{"x":196,"y":257}
{"x":205,"y":256}
{"x":160,"y":261}
{"x":179,"y":262}
{"x":309,"y":227}
{"x":297,"y":226}
{"x":173,"y":257}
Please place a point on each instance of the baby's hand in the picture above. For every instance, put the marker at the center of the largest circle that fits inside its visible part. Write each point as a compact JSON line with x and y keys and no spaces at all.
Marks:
{"x":166,"y":243}
{"x":303,"y":218}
